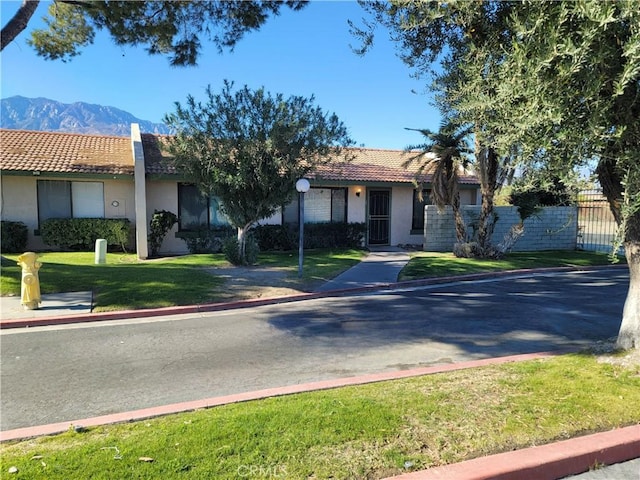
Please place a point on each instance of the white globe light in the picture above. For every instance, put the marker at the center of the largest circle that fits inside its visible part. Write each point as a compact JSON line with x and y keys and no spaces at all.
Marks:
{"x":303,"y":185}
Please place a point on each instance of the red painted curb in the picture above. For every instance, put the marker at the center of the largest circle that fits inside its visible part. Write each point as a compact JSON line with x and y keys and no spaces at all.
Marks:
{"x":214,"y":307}
{"x":135,"y":415}
{"x":545,"y":462}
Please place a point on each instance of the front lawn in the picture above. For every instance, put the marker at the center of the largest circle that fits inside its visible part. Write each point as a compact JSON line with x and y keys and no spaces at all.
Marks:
{"x":124,"y":282}
{"x":430,"y":264}
{"x":369,"y":431}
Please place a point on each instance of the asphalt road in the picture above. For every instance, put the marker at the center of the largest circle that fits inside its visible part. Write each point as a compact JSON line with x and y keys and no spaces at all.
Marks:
{"x":56,"y":374}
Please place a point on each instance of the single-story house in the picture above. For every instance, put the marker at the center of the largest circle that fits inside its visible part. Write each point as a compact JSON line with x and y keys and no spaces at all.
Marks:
{"x":64,"y":175}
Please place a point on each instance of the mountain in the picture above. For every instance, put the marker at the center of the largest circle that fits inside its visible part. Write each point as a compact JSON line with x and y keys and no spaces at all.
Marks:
{"x":79,"y":117}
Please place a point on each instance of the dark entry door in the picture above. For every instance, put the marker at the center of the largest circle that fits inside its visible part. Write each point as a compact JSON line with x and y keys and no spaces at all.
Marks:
{"x":379,"y":217}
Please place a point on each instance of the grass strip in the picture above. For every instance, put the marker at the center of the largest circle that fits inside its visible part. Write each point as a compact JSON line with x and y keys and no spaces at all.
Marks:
{"x":370,"y":431}
{"x":430,"y":264}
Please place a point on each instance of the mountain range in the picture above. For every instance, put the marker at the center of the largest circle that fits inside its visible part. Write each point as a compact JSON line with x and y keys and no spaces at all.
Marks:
{"x":49,"y":115}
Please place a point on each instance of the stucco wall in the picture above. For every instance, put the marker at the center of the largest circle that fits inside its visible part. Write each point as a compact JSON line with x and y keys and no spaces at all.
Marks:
{"x":401,"y":217}
{"x":20,"y":202}
{"x":163,"y":195}
{"x":554,"y":228}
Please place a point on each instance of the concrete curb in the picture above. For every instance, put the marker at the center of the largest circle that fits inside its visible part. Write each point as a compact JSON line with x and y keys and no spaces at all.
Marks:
{"x":214,"y":307}
{"x":545,"y":462}
{"x":551,"y":461}
{"x":145,"y":413}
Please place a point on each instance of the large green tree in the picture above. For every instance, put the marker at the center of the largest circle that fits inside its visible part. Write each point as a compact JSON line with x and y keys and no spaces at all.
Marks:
{"x":573,"y":73}
{"x":436,"y":39}
{"x":171,"y":28}
{"x":248,"y":148}
{"x":546,"y":82}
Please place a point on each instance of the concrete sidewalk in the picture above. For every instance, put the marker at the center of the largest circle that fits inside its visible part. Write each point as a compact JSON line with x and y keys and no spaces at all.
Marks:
{"x":53,"y":305}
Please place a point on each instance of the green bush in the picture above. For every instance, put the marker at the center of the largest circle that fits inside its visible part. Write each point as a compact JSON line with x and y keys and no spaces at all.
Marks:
{"x":316,"y":235}
{"x":14,"y":236}
{"x":82,"y":233}
{"x":276,"y":237}
{"x":230,"y":250}
{"x":207,"y":241}
{"x":161,"y":222}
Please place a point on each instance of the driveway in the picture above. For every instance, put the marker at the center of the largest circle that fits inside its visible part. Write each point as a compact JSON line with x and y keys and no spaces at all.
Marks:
{"x":55,"y":374}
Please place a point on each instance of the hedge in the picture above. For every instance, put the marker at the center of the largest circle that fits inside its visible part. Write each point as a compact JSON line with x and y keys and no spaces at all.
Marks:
{"x":82,"y":233}
{"x":316,"y":235}
{"x":14,"y":235}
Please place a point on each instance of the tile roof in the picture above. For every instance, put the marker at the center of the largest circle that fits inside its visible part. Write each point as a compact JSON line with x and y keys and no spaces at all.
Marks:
{"x":156,"y":159}
{"x":23,"y":150}
{"x":377,"y":165}
{"x":364,"y":165}
{"x":28,"y":151}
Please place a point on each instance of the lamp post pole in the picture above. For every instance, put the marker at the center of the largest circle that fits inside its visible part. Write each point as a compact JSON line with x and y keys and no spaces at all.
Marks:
{"x":302,"y":186}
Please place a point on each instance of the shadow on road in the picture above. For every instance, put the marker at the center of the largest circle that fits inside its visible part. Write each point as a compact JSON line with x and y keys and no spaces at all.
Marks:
{"x":498,"y":317}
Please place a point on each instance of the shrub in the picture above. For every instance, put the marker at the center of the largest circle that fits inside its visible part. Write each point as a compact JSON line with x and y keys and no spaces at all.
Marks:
{"x":82,"y":233}
{"x":14,"y":236}
{"x":276,"y":237}
{"x":230,"y":250}
{"x":207,"y":241}
{"x":161,"y":222}
{"x":316,"y":235}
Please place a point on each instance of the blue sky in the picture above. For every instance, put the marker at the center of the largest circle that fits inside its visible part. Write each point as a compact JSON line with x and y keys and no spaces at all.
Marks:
{"x":297,"y":53}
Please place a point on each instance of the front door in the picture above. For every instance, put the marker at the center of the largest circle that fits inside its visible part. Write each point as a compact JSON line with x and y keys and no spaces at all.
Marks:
{"x":379,"y":217}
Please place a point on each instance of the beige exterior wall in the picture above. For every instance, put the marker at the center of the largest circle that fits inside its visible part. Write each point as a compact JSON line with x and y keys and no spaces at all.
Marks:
{"x":357,"y":205}
{"x":121,"y":192}
{"x":20,"y":202}
{"x":163,"y":195}
{"x":401,"y":217}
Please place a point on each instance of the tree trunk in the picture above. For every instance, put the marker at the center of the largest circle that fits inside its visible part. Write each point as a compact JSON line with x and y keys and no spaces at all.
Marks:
{"x":242,"y":245}
{"x":461,"y":232}
{"x":629,"y":334}
{"x":488,"y":176}
{"x":613,"y":189}
{"x":18,"y":23}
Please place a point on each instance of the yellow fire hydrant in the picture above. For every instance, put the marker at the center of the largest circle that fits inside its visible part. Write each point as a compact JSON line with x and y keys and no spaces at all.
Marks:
{"x":30,"y":285}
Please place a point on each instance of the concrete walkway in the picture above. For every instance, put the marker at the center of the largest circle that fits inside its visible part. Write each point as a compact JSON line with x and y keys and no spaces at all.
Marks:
{"x":380,"y":267}
{"x":53,"y":305}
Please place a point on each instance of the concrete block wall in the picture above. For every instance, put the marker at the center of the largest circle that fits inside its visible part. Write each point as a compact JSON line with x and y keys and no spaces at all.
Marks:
{"x":553,"y":228}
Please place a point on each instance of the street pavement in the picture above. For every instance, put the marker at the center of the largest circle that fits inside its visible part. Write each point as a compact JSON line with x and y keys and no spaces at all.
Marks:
{"x":52,"y":374}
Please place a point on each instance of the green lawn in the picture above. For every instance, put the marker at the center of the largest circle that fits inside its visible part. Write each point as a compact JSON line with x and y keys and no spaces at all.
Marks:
{"x":126,"y":283}
{"x":370,"y":431}
{"x":428,"y":264}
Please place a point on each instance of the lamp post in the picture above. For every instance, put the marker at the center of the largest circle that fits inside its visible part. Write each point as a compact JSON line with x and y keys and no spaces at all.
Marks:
{"x":302,"y":186}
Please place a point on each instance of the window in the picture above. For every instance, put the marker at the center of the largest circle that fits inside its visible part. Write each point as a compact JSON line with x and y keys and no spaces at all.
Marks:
{"x":320,"y":205}
{"x":417,"y":222}
{"x":64,"y":199}
{"x":197,"y":211}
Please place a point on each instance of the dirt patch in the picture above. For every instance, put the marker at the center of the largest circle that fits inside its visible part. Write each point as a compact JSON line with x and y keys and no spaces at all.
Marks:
{"x":607,"y":353}
{"x":243,"y":283}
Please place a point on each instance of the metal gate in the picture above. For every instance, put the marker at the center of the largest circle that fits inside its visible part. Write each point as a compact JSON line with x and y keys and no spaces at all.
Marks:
{"x":596,"y":224}
{"x":379,"y":217}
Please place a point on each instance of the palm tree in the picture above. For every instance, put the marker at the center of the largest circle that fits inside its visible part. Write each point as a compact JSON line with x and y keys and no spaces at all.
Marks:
{"x":444,"y":155}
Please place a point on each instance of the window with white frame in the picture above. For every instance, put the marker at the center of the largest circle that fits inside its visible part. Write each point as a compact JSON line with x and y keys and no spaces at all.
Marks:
{"x":324,"y":204}
{"x":70,"y":199}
